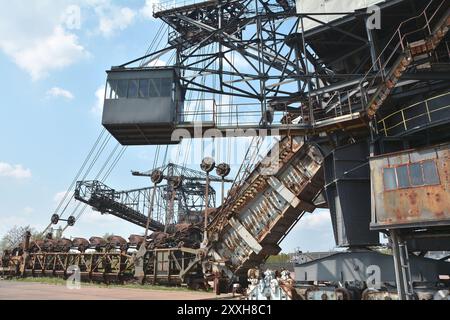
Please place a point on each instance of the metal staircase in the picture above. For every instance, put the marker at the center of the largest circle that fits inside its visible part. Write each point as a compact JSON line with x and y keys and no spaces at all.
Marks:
{"x":402,"y":49}
{"x":415,"y":39}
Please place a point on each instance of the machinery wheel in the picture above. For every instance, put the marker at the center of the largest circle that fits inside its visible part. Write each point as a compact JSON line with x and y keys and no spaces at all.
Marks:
{"x":71,"y":221}
{"x":223,"y":170}
{"x":157,"y":177}
{"x":55,"y":219}
{"x":366,"y":293}
{"x":208,"y":164}
{"x":344,"y":293}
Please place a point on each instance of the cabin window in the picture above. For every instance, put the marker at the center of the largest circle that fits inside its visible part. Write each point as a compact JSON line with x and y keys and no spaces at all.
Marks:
{"x":122,"y":88}
{"x":390,"y":181}
{"x":111,"y":89}
{"x":143,"y":88}
{"x":430,"y":173}
{"x":155,"y":88}
{"x":166,"y":87}
{"x":416,"y":175}
{"x":411,"y":175}
{"x":133,"y":89}
{"x":402,"y":177}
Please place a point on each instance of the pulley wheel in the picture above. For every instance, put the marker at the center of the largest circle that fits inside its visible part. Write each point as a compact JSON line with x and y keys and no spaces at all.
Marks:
{"x":208,"y":164}
{"x":157,"y":176}
{"x":223,"y":170}
{"x":71,"y":221}
{"x":55,"y":219}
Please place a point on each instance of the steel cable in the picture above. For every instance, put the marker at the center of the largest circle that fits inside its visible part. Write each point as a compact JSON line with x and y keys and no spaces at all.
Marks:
{"x":97,"y":156}
{"x":105,"y":177}
{"x":80,"y":171}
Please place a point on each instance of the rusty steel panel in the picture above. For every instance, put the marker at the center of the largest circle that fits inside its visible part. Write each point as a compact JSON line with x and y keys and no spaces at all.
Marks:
{"x":267,"y":211}
{"x":412,"y":206}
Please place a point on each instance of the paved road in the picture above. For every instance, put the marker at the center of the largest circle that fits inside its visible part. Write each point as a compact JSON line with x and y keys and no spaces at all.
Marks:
{"x":10,"y":290}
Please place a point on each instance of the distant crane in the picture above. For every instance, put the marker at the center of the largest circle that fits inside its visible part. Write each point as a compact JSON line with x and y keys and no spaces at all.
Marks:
{"x":181,"y":200}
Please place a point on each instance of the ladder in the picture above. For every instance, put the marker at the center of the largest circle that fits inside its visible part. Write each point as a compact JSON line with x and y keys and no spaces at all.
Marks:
{"x":403,"y":276}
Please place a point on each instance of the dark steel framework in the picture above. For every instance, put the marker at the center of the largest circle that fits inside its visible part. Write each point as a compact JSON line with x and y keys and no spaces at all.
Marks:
{"x":338,"y":83}
{"x":173,"y":204}
{"x":290,"y":78}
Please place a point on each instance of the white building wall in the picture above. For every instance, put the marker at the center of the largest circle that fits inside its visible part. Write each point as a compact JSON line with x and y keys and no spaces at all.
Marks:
{"x":328,"y":6}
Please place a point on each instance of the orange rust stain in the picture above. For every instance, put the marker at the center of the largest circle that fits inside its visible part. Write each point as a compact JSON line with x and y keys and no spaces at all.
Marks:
{"x":440,"y":214}
{"x":437,"y":197}
{"x":413,"y":198}
{"x":398,"y":214}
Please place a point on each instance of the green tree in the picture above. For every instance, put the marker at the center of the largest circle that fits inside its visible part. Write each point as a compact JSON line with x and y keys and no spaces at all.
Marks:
{"x":107,"y":235}
{"x":14,"y":237}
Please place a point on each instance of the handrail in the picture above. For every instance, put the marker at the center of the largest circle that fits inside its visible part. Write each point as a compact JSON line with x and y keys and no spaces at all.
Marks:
{"x":398,"y":36}
{"x":413,"y":105}
{"x":404,"y":120}
{"x":174,"y":4}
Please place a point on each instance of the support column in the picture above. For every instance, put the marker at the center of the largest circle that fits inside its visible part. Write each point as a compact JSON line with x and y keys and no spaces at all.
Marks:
{"x":373,"y":51}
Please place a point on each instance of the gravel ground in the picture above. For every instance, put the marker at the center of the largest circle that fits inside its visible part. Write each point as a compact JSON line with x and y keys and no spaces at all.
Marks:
{"x":12,"y":290}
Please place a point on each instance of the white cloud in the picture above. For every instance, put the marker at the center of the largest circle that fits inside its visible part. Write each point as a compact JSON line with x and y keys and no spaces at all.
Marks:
{"x":113,"y":18}
{"x":57,"y":51}
{"x":60,"y":195}
{"x":313,"y":232}
{"x":147,"y":9}
{"x":57,"y":92}
{"x":97,"y":108}
{"x":40,"y":37}
{"x":32,"y":35}
{"x":157,"y":63}
{"x":94,"y":217}
{"x":315,"y":221}
{"x":239,"y":62}
{"x":14,"y":171}
{"x":28,"y":210}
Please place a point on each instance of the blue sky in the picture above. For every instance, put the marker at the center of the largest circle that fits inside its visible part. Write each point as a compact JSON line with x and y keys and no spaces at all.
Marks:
{"x":52,"y":75}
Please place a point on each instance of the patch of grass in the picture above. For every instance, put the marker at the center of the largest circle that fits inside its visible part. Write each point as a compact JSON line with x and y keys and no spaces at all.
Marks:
{"x":281,"y":258}
{"x":62,"y":282}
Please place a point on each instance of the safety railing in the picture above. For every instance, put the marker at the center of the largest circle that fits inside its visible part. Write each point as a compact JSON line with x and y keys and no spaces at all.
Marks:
{"x":174,"y":4}
{"x":250,"y":115}
{"x":416,"y":116}
{"x":400,"y":41}
{"x":342,"y":102}
{"x":238,"y":115}
{"x":272,"y":7}
{"x":85,"y":189}
{"x":195,"y":111}
{"x":277,"y":6}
